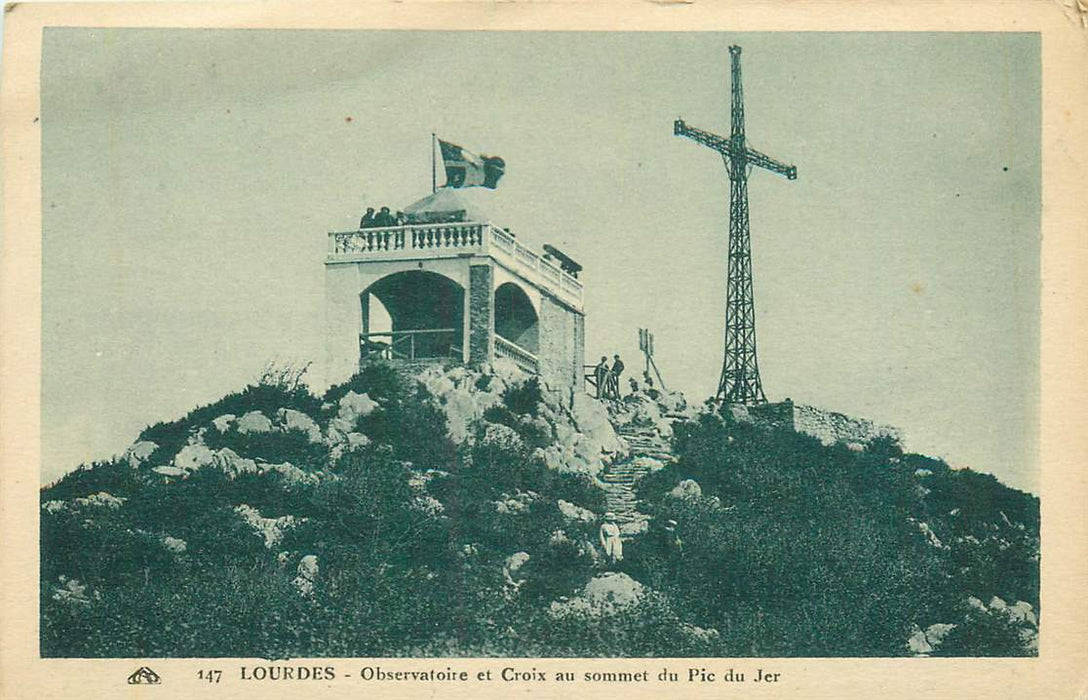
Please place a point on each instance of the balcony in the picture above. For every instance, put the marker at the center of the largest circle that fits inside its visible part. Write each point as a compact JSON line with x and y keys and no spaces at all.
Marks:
{"x":430,"y":241}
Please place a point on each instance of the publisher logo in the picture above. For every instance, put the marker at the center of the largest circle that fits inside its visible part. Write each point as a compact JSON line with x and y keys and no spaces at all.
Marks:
{"x":144,"y":676}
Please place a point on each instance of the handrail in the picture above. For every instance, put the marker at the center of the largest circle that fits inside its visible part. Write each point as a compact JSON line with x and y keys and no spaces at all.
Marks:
{"x":521,"y":357}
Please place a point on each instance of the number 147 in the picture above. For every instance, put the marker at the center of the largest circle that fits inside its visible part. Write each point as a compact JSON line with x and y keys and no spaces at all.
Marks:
{"x":212,"y":675}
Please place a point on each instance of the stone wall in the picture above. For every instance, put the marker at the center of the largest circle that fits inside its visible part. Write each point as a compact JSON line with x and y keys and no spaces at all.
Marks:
{"x":830,"y":427}
{"x":481,"y":314}
{"x":826,"y":426}
{"x":562,"y":343}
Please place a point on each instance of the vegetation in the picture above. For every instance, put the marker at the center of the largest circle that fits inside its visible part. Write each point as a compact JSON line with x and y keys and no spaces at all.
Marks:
{"x":792,"y":549}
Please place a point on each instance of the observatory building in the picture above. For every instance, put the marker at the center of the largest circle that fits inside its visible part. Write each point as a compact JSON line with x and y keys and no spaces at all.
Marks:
{"x":448,"y":285}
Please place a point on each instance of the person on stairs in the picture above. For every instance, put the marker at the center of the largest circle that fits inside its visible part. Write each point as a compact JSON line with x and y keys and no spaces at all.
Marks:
{"x":610,"y":539}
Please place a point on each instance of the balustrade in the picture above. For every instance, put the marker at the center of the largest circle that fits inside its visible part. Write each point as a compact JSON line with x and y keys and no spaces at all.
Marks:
{"x":434,"y":239}
{"x":521,"y":357}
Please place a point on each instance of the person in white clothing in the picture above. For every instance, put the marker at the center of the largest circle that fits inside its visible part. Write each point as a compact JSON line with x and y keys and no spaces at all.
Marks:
{"x":610,"y":538}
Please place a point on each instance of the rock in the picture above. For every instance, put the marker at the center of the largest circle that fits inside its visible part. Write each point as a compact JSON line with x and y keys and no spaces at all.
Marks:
{"x":604,"y":595}
{"x":170,"y":471}
{"x":1022,"y":611}
{"x":592,"y":421}
{"x":918,"y":644}
{"x":357,"y":440}
{"x":53,"y":506}
{"x":429,"y":505}
{"x":175,"y":545}
{"x":234,"y":464}
{"x":699,"y":634}
{"x":687,"y":490}
{"x":573,"y":512}
{"x":636,"y":526}
{"x":194,"y":457}
{"x":501,"y":437}
{"x":935,"y":634}
{"x":138,"y":453}
{"x":921,"y":473}
{"x":517,"y":504}
{"x":976,"y":603}
{"x":997,"y":604}
{"x":271,"y":529}
{"x":855,"y":447}
{"x":513,"y":565}
{"x":100,"y":500}
{"x":72,"y":592}
{"x":291,"y":419}
{"x":223,"y":422}
{"x":254,"y":422}
{"x":354,"y":406}
{"x":307,"y":575}
{"x":290,"y":472}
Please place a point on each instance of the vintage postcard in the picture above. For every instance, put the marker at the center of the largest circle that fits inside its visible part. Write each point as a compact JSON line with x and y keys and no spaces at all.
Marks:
{"x":386,"y":350}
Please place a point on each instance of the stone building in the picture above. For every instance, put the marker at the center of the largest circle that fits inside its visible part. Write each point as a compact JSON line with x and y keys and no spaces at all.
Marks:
{"x":449,"y":285}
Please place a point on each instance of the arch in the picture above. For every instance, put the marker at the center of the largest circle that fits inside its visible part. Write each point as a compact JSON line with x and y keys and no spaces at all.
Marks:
{"x":515,"y":318}
{"x":425,"y":312}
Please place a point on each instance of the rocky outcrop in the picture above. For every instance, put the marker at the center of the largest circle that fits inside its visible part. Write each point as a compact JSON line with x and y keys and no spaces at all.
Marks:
{"x":271,"y":530}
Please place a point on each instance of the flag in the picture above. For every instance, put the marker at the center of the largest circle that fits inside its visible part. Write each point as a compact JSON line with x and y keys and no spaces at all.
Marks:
{"x":466,"y":169}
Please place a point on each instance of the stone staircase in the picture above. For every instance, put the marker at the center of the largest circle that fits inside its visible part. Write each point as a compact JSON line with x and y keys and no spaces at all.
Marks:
{"x":620,"y":479}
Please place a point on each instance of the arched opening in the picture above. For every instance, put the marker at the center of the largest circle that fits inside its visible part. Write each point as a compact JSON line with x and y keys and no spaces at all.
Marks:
{"x":515,"y":318}
{"x":412,"y":315}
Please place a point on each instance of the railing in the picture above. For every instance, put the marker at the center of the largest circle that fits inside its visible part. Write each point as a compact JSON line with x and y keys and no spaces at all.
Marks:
{"x":409,"y":345}
{"x":521,"y":357}
{"x":419,"y":237}
{"x":445,"y":240}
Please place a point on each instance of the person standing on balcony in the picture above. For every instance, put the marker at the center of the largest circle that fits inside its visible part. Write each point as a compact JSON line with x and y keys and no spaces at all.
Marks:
{"x":384,"y":218}
{"x":600,"y":374}
{"x":368,"y":218}
{"x":614,"y":376}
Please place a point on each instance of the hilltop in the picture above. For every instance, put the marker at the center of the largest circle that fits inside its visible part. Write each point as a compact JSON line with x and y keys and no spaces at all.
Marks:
{"x":455,"y":512}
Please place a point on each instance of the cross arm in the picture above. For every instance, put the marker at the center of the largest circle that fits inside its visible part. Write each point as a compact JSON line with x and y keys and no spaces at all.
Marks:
{"x":706,"y":138}
{"x":767,"y":163}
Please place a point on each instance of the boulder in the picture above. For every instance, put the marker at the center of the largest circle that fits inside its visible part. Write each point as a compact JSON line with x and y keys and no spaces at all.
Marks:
{"x":918,"y":644}
{"x":935,"y":634}
{"x":1022,"y":611}
{"x":170,"y":471}
{"x":306,"y":579}
{"x":223,"y":422}
{"x":357,"y":440}
{"x":604,"y":595}
{"x":687,"y":490}
{"x":234,"y":464}
{"x":175,"y":545}
{"x":254,"y":422}
{"x":138,"y":453}
{"x":354,"y":406}
{"x":194,"y":457}
{"x":291,"y":419}
{"x":576,"y":513}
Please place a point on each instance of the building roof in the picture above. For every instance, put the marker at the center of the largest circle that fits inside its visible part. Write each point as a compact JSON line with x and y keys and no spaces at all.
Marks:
{"x":448,"y":200}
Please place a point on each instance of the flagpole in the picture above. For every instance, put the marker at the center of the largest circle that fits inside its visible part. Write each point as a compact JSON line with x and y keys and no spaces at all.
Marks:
{"x":434,"y":164}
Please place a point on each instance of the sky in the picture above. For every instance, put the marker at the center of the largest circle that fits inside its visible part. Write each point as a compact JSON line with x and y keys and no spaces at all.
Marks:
{"x":190,"y":178}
